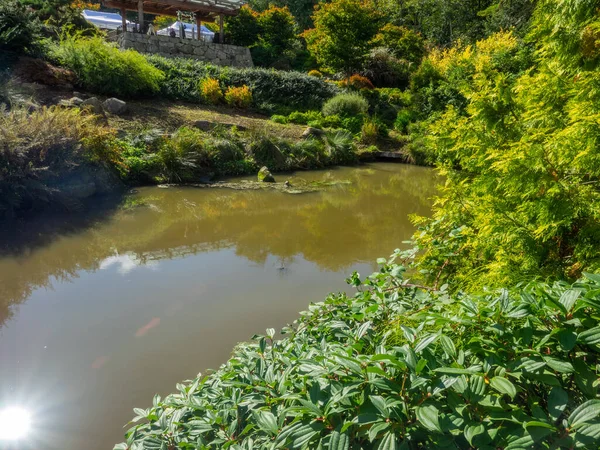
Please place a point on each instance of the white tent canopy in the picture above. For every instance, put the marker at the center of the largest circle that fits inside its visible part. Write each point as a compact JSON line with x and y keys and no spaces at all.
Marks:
{"x":190,"y":30}
{"x":105,"y":20}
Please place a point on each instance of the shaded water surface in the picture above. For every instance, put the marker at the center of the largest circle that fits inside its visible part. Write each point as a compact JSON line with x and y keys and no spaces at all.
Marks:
{"x":96,"y":320}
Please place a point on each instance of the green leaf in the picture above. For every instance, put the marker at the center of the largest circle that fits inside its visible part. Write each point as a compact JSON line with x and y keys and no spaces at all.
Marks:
{"x":595,"y":277}
{"x":313,"y":408}
{"x":590,"y":337}
{"x":568,"y":298}
{"x":471,"y":431}
{"x":538,"y":424}
{"x":503,"y":386}
{"x":381,"y":405}
{"x":557,"y":402}
{"x":266,"y":421}
{"x":425,"y":342}
{"x":388,"y":442}
{"x":458,"y":371}
{"x":339,"y":440}
{"x":520,"y":443}
{"x":420,"y":366}
{"x":559,"y":365}
{"x":376,"y":429}
{"x":428,"y":416}
{"x":567,"y":340}
{"x":590,"y":430}
{"x":448,"y":346}
{"x":304,"y":435}
{"x":584,"y":413}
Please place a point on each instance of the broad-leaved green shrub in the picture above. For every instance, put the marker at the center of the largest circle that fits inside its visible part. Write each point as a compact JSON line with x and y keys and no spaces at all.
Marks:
{"x":401,"y":366}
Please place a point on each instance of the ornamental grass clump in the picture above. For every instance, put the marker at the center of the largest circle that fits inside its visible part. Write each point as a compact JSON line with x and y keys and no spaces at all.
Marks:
{"x":346,"y":105}
{"x":103,"y":68}
{"x":38,"y":148}
{"x":400,"y":365}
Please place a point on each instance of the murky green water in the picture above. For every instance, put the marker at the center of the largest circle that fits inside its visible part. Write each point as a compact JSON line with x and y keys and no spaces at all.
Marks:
{"x":97,"y":319}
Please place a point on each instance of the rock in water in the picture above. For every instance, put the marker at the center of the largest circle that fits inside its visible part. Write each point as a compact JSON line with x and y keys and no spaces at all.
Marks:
{"x":264,"y":175}
{"x":115,"y":106}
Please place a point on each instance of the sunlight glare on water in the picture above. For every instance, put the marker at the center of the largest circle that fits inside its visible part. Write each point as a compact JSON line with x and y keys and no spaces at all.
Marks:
{"x":15,"y":423}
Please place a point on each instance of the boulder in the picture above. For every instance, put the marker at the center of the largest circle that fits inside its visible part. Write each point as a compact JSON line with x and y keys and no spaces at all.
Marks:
{"x":75,"y":101}
{"x":115,"y":106}
{"x":264,"y":176}
{"x":312,"y":132}
{"x":203,"y":125}
{"x":94,"y":104}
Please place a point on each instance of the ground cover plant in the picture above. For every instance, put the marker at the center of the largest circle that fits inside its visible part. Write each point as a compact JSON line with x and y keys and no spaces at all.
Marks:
{"x":398,"y":366}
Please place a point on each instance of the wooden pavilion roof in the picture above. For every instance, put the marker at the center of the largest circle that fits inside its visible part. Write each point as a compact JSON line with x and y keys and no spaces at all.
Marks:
{"x":170,"y":7}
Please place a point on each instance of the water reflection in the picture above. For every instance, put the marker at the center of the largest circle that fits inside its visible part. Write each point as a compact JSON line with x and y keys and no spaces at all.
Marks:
{"x":93,"y":322}
{"x":334,"y":229}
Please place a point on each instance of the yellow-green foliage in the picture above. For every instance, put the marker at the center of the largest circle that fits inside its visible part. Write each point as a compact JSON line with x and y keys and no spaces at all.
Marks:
{"x":238,"y":97}
{"x":210,"y":90}
{"x":37,"y":148}
{"x":102,"y":67}
{"x":369,"y":132}
{"x":521,"y":161}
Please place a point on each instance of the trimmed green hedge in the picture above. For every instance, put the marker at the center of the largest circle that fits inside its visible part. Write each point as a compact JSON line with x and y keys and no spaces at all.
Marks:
{"x":400,"y":366}
{"x":272,"y":90}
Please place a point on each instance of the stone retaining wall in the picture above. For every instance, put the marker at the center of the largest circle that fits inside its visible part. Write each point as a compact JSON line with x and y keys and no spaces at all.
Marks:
{"x":219,"y":54}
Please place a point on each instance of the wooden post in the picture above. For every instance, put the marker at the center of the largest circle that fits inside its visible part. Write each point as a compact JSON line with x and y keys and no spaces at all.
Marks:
{"x":198,"y":26}
{"x":221,"y":31}
{"x":141,"y":15}
{"x":124,"y":17}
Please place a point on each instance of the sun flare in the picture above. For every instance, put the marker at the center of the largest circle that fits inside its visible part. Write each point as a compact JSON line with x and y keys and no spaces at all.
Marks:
{"x":15,"y":423}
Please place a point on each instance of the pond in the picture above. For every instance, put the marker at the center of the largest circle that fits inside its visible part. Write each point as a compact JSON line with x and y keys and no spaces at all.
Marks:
{"x":95,"y":319}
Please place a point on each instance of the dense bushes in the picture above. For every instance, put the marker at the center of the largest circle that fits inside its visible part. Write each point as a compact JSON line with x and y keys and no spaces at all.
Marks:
{"x":271,"y":90}
{"x":520,"y":158}
{"x":270,"y":34}
{"x":20,"y":29}
{"x":191,"y":155}
{"x":103,"y":68}
{"x":397,"y":366}
{"x":343,"y":33}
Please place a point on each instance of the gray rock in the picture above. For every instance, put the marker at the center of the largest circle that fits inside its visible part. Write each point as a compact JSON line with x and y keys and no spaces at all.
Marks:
{"x":203,"y":125}
{"x":313,"y":132}
{"x":115,"y":106}
{"x":75,"y":101}
{"x":264,"y":176}
{"x":94,"y":104}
